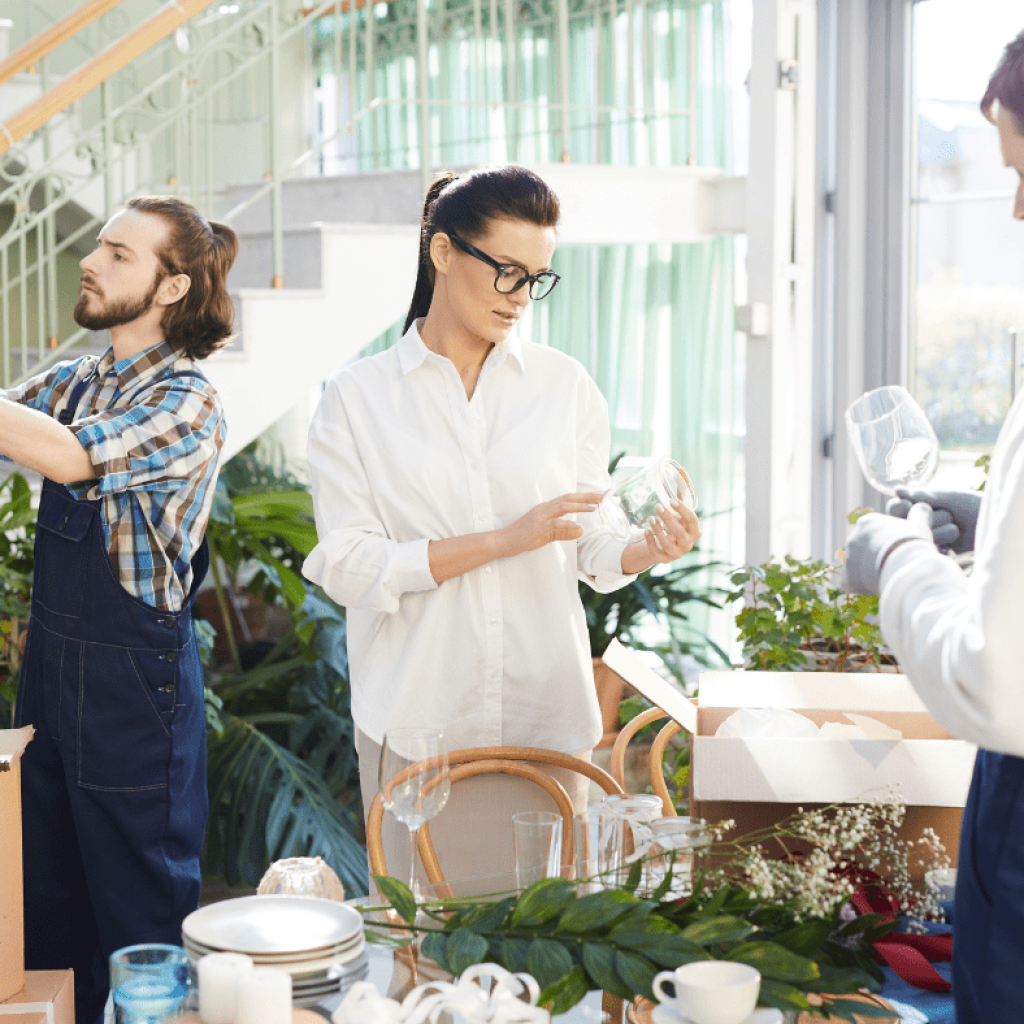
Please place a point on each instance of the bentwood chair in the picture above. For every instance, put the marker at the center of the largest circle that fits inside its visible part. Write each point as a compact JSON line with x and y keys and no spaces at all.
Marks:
{"x":520,"y":762}
{"x":655,"y":758}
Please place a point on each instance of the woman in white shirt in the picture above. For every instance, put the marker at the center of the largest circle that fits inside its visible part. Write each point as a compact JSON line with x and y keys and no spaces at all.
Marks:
{"x":447,"y":472}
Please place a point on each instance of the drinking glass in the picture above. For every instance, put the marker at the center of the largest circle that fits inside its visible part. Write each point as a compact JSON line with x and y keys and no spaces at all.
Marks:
{"x":537,"y":836}
{"x":150,"y":983}
{"x":597,"y":846}
{"x":627,"y":506}
{"x":301,"y":876}
{"x":414,"y":780}
{"x":677,"y":846}
{"x":893,"y":440}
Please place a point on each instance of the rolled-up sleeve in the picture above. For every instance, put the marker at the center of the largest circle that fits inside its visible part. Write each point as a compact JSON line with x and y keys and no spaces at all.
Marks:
{"x":355,"y":561}
{"x":598,"y":553}
{"x":170,"y":437}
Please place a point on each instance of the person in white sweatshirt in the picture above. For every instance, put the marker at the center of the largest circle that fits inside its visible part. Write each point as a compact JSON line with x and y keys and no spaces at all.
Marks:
{"x":960,"y":640}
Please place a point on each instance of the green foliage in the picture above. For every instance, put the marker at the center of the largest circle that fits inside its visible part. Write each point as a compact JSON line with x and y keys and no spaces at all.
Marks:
{"x":617,"y":942}
{"x":282,"y":765}
{"x":17,"y":537}
{"x":795,"y":611}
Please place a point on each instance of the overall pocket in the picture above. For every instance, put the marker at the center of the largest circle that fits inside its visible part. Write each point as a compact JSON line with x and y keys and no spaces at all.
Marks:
{"x":62,"y":553}
{"x":125,"y":708}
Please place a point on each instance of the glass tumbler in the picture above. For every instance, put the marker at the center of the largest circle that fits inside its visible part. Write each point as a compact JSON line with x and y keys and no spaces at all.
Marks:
{"x":150,"y":983}
{"x":677,"y":847}
{"x":597,"y":846}
{"x":627,"y":506}
{"x":537,"y":836}
{"x":302,"y":876}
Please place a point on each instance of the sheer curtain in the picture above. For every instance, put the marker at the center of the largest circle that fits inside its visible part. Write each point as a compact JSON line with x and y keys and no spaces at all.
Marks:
{"x":653,"y":324}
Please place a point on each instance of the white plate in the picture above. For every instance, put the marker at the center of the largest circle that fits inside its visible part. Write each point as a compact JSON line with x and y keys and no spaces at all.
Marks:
{"x":298,"y":968}
{"x":273,"y":925}
{"x":301,"y":961}
{"x":664,"y":1014}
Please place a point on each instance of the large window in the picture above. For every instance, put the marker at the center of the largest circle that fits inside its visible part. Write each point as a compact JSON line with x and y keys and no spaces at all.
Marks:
{"x":967,"y":253}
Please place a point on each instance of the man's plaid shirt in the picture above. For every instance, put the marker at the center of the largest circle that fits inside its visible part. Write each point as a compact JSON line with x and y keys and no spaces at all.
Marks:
{"x":155,"y":452}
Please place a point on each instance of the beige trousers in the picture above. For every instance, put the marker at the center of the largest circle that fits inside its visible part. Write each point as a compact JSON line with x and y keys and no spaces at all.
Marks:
{"x":473,"y":834}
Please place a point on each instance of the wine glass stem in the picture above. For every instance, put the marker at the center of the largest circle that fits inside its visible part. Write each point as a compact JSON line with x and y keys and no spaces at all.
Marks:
{"x":413,"y":884}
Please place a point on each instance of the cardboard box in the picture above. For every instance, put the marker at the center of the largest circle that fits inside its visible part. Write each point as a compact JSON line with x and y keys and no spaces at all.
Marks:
{"x":12,"y":925}
{"x":758,"y":781}
{"x":48,"y":997}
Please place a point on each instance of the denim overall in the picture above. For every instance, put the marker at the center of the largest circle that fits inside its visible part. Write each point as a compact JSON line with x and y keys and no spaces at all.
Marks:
{"x":114,"y":800}
{"x":988,"y":943}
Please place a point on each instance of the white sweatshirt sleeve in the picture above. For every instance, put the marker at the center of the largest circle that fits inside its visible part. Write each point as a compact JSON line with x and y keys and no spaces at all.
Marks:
{"x":960,"y":639}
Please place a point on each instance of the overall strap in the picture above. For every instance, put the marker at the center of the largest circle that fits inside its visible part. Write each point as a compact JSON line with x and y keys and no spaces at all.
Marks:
{"x":67,"y":414}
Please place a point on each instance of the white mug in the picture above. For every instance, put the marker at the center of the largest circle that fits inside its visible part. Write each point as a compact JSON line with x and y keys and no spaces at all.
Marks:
{"x":711,"y":991}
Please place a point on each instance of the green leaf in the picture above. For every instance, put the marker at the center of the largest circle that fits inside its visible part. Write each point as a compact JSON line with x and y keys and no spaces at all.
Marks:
{"x":782,"y":996}
{"x":595,"y":910}
{"x":435,"y":947}
{"x":542,"y":901}
{"x":774,"y":961}
{"x":465,"y":948}
{"x":714,"y":906}
{"x":515,"y":954}
{"x":599,"y":962}
{"x":399,"y":895}
{"x":548,"y":961}
{"x":717,"y":929}
{"x":636,"y":971}
{"x":565,"y":993}
{"x":486,"y":917}
{"x":856,"y":1009}
{"x":633,"y":879}
{"x":659,"y":940}
{"x":805,"y":938}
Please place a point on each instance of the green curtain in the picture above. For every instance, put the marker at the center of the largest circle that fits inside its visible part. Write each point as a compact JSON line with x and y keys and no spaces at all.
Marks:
{"x":653,"y":324}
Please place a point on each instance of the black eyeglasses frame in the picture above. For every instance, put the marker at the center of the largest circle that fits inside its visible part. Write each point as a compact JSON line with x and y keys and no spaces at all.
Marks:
{"x":541,"y":277}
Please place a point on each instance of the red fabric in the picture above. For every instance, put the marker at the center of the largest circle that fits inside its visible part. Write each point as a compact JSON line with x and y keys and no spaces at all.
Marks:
{"x":908,"y":955}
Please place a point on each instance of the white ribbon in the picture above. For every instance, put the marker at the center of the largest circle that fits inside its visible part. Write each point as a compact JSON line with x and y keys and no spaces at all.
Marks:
{"x":468,"y":997}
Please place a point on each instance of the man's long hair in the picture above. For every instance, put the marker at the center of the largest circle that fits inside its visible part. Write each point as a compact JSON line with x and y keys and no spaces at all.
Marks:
{"x":203,"y":320}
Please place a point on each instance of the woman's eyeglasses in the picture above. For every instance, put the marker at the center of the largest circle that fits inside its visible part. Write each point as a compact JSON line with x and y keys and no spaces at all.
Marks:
{"x":510,"y":278}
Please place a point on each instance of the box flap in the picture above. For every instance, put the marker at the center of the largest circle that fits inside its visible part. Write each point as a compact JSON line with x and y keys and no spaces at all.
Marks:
{"x":926,"y":773}
{"x":839,"y":691}
{"x":12,"y":743}
{"x":660,"y":692}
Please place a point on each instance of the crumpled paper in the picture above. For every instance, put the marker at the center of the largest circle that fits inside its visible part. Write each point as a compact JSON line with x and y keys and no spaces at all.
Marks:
{"x":466,"y":999}
{"x":779,"y":723}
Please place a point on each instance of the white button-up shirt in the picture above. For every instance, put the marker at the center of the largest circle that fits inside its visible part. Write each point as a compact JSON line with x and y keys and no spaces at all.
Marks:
{"x":399,"y":456}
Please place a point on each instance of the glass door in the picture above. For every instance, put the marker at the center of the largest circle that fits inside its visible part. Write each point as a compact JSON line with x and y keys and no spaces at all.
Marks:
{"x":966,"y":301}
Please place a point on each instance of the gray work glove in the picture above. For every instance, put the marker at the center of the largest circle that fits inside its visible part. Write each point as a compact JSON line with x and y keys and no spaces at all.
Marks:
{"x":954,"y":515}
{"x":873,"y":539}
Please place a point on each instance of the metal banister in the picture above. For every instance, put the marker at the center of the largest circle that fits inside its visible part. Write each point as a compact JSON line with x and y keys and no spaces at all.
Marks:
{"x":91,"y":74}
{"x":36,"y":49}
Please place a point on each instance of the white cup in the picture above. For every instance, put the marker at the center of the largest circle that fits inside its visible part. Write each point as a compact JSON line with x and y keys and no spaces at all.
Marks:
{"x":711,"y":991}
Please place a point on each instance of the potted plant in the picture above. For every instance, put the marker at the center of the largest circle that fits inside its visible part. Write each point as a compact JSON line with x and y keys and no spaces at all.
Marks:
{"x":796,"y":617}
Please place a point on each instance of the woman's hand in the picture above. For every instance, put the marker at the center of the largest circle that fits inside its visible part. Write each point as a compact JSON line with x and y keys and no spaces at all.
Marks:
{"x":669,"y":535}
{"x":544,"y":524}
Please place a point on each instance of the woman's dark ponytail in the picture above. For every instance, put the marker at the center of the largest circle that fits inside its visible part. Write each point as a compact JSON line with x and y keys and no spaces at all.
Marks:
{"x":467,"y":206}
{"x":424,"y":290}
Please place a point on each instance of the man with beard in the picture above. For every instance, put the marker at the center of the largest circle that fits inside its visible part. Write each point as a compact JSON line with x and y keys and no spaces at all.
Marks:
{"x":114,"y":782}
{"x":960,"y":641}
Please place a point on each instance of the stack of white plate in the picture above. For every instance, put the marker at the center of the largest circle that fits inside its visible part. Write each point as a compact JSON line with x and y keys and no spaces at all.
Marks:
{"x":318,"y":942}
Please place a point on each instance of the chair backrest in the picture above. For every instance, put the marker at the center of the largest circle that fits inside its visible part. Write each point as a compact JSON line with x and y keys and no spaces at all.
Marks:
{"x":515,"y":761}
{"x":655,"y":769}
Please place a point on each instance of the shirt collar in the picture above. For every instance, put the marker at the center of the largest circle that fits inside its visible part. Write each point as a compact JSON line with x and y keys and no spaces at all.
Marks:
{"x":412,"y":352}
{"x":137,"y":368}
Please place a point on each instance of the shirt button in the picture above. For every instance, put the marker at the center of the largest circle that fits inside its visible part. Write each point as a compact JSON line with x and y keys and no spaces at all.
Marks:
{"x":494,"y":622}
{"x":488,"y":568}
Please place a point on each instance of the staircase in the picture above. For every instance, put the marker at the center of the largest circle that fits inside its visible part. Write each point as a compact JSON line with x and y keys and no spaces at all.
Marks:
{"x":341,"y":249}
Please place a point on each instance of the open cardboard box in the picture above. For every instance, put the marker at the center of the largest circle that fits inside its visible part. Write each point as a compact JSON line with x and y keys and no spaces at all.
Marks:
{"x":12,"y":929}
{"x":48,"y":997}
{"x":758,"y":781}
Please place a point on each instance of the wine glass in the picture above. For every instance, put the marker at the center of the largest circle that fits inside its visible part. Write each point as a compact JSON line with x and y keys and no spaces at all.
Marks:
{"x":895,"y":444}
{"x":414,"y":781}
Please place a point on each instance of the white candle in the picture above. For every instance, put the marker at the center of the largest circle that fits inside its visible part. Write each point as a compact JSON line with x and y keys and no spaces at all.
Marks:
{"x":264,"y":997}
{"x":218,"y":985}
